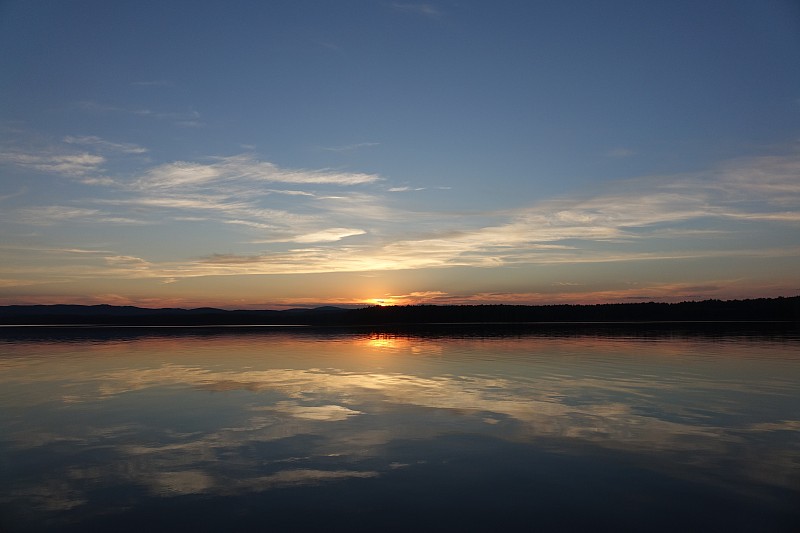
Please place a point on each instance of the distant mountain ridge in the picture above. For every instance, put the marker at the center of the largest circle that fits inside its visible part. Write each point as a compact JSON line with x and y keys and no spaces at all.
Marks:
{"x":105,"y":314}
{"x":78,"y":310}
{"x":783,"y":309}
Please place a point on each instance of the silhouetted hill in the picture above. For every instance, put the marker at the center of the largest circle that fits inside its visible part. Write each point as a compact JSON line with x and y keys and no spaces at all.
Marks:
{"x":755,"y":310}
{"x":129,"y":315}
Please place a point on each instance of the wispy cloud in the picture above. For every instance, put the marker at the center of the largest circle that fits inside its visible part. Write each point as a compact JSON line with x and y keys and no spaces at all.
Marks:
{"x":221,"y":208}
{"x":127,"y":261}
{"x":4,"y":197}
{"x":289,"y":192}
{"x":774,"y":178}
{"x":57,"y":214}
{"x":76,"y":164}
{"x":349,"y":147}
{"x":52,"y":250}
{"x":666,"y":218}
{"x":614,"y":226}
{"x":406,"y":189}
{"x":428,"y":10}
{"x":102,"y":144}
{"x":189,"y":118}
{"x":232,"y":191}
{"x":328,"y":235}
{"x":244,"y":167}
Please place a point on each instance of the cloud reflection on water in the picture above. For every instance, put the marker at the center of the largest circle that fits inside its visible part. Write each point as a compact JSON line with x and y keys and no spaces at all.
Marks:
{"x":260,"y":419}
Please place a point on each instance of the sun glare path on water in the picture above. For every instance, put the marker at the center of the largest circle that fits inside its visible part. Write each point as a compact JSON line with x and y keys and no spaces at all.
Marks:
{"x":383,"y":341}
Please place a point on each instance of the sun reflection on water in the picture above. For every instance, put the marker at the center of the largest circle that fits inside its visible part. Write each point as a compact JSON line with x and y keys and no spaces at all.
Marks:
{"x":383,"y":341}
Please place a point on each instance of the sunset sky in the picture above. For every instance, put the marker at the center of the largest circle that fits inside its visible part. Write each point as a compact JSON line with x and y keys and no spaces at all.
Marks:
{"x":247,"y":154}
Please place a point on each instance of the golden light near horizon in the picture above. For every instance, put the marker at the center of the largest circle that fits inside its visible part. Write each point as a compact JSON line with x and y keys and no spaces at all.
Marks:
{"x":385,"y":301}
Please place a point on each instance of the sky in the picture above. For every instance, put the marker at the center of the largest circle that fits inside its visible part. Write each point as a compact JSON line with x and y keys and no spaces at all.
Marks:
{"x":279,"y":154}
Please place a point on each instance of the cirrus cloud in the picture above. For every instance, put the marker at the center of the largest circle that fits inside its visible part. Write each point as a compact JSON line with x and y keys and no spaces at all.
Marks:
{"x":247,"y":168}
{"x":329,"y":235}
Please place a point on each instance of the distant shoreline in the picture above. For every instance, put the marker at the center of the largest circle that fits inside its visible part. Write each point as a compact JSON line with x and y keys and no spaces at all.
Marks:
{"x":783,"y":310}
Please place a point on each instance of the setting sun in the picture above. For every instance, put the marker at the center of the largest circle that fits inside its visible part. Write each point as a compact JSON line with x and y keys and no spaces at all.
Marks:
{"x":387,"y":300}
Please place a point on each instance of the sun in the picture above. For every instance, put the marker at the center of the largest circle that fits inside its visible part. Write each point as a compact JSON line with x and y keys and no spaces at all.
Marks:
{"x":382,"y":302}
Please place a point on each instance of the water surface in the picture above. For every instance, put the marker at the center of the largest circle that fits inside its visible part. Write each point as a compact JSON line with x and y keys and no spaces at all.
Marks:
{"x":450,"y":429}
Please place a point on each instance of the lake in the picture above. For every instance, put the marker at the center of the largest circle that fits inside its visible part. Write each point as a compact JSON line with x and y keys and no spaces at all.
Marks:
{"x":446,"y":428}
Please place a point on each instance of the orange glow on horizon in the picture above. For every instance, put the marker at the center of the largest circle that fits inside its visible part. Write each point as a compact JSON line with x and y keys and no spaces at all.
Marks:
{"x":229,"y":299}
{"x":385,"y":301}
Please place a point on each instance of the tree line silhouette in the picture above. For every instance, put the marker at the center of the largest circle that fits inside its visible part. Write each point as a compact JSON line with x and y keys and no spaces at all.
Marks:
{"x":783,"y":309}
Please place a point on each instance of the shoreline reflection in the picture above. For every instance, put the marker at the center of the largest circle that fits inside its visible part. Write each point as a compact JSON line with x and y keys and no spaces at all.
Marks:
{"x":99,"y":427}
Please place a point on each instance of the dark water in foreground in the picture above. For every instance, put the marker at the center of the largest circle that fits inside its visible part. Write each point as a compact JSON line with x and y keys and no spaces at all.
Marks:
{"x":274,"y":430}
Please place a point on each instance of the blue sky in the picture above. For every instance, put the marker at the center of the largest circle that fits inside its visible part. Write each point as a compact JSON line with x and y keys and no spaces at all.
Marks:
{"x":271,"y":154}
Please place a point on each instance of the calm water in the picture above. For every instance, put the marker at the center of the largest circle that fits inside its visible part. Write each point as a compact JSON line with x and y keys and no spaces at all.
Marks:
{"x":276,"y":429}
